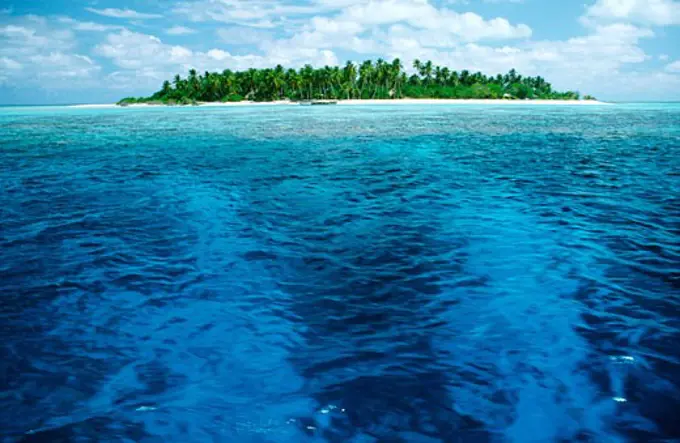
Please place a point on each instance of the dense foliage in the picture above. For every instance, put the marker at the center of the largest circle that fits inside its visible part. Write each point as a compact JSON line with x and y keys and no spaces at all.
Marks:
{"x":369,"y":80}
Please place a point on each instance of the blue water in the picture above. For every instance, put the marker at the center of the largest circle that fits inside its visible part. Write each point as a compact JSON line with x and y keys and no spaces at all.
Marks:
{"x":369,"y":274}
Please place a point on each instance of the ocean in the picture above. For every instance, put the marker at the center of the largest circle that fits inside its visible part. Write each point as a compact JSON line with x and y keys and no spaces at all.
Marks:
{"x":451,"y":273}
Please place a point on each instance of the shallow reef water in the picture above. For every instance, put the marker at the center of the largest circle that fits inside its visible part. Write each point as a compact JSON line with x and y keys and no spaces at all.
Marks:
{"x":359,"y":274}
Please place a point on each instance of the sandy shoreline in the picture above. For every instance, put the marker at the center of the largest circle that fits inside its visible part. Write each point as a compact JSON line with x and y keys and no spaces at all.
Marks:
{"x":405,"y":101}
{"x":409,"y":101}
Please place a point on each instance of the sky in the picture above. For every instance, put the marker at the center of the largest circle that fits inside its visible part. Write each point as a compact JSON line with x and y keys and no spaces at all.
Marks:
{"x":98,"y":51}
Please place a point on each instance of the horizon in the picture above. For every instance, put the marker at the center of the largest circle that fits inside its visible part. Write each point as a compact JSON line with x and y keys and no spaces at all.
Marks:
{"x":57,"y":105}
{"x":101,"y":51}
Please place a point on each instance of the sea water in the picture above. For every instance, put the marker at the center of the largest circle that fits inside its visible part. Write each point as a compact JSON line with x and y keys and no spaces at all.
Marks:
{"x":438,"y":273}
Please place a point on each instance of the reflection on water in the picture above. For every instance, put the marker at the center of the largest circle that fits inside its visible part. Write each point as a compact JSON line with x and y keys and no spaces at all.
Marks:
{"x":455,"y":274}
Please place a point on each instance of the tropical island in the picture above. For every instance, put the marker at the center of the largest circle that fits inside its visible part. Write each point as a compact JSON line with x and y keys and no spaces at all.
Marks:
{"x":369,"y":80}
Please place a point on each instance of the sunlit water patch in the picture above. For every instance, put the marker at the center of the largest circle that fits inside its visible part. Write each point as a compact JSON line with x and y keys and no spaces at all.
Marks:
{"x":364,"y":274}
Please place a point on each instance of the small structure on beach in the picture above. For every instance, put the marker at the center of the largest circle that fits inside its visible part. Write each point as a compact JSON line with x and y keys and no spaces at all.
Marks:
{"x":317,"y":102}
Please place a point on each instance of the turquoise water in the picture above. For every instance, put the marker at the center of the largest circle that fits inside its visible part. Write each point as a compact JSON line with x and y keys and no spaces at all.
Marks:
{"x":342,"y":274}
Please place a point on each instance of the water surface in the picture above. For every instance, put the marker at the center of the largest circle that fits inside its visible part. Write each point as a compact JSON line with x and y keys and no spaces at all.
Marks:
{"x":365,"y":274}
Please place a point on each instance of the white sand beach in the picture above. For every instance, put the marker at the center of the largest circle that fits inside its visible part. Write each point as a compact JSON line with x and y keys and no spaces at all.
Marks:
{"x":200,"y":104}
{"x":431,"y":101}
{"x":404,"y":101}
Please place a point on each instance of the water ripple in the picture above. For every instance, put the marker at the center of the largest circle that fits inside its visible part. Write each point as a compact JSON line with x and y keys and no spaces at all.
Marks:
{"x":410,"y":274}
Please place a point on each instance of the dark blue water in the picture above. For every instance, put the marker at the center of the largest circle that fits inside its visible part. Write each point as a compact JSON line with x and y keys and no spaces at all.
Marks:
{"x":369,"y":274}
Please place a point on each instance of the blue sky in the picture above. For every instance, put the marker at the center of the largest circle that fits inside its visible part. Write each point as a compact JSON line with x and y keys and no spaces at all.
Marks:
{"x":96,"y":51}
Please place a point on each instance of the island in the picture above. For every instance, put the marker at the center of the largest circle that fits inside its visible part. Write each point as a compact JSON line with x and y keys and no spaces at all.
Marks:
{"x":368,"y":81}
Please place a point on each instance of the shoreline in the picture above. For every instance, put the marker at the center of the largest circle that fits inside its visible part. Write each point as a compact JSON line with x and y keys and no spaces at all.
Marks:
{"x":403,"y":101}
{"x":457,"y":101}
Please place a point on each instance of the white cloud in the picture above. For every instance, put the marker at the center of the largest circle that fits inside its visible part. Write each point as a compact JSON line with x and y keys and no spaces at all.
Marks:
{"x":613,"y":43}
{"x":243,"y":35}
{"x":26,"y":39}
{"x":407,"y":29}
{"x":673,"y":67}
{"x":64,"y":66}
{"x":33,"y":52}
{"x":14,"y":31}
{"x":180,"y":30}
{"x":664,"y":57}
{"x":607,"y":56}
{"x":588,"y":63}
{"x":9,"y":64}
{"x":136,"y":82}
{"x":143,"y":57}
{"x":468,"y":2}
{"x":649,"y":12}
{"x":132,"y":50}
{"x":419,"y":13}
{"x":78,"y":25}
{"x":387,"y":28}
{"x":122,"y":13}
{"x":583,"y":63}
{"x":635,"y":85}
{"x":256,"y":13}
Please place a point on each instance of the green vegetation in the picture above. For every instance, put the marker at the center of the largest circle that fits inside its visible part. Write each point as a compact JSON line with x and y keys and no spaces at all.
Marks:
{"x":369,"y":80}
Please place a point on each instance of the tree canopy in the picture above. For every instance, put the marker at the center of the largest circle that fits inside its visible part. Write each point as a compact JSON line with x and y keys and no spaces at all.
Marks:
{"x":367,"y":80}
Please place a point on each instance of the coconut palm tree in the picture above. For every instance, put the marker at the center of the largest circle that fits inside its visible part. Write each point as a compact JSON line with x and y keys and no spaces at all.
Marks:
{"x":278,"y":80}
{"x":465,"y":77}
{"x":396,"y":75}
{"x":427,"y":72}
{"x":454,"y":78}
{"x":438,"y":75}
{"x":381,"y":79}
{"x":365,"y":77}
{"x":380,"y":76}
{"x":418,"y":66}
{"x":349,"y":74}
{"x":293,"y":84}
{"x":445,"y":74}
{"x":193,"y":83}
{"x":307,"y":76}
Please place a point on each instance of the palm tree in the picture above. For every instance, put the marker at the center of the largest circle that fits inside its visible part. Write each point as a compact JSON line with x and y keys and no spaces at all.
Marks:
{"x":477,"y":77}
{"x":445,"y":73}
{"x":438,"y":75}
{"x":307,"y":75}
{"x":180,"y":87}
{"x":336,"y":81}
{"x":380,"y":80}
{"x":418,"y":66}
{"x":379,"y":76}
{"x":454,"y":79}
{"x":278,"y":80}
{"x":395,"y":73}
{"x":228,"y":83}
{"x":294,"y":84}
{"x":427,"y":72}
{"x":402,"y":81}
{"x":465,"y":77}
{"x":511,"y":77}
{"x":251,"y":79}
{"x":365,"y":76}
{"x":193,"y":83}
{"x":349,"y":74}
